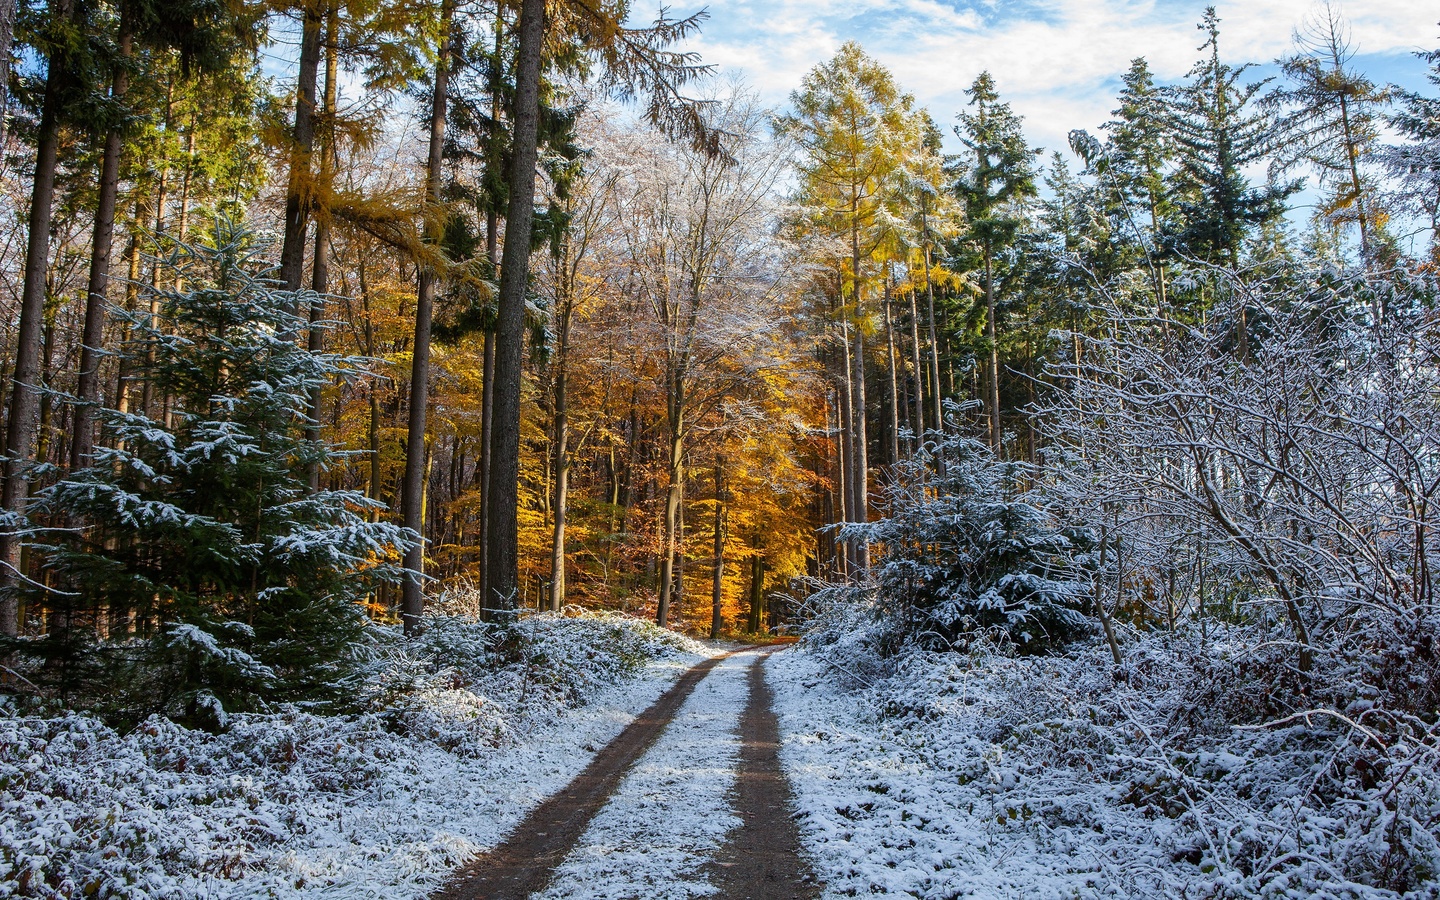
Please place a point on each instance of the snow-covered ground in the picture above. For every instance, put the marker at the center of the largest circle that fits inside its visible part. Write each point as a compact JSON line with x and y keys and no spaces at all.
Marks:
{"x":893,"y":810}
{"x":384,"y":804}
{"x":671,"y":813}
{"x":934,"y":775}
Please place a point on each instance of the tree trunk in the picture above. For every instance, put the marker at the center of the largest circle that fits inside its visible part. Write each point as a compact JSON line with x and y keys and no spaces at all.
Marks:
{"x":297,"y":195}
{"x":995,"y":435}
{"x":937,"y":407}
{"x":893,"y":363}
{"x":502,"y":573}
{"x":147,"y":391}
{"x":676,"y":470}
{"x":756,"y":619}
{"x":7,"y":47}
{"x":87,"y":389}
{"x":561,"y":433}
{"x":24,"y":388}
{"x":320,"y":271}
{"x":859,"y":461}
{"x":413,"y":490}
{"x":718,"y":573}
{"x":919,"y":398}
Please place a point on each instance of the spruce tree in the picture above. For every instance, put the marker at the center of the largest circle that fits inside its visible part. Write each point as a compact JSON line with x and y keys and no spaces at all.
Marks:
{"x":1218,"y":130}
{"x":993,"y":183}
{"x":200,"y":574}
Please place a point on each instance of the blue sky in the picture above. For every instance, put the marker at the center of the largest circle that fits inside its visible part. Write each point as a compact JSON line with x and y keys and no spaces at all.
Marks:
{"x":1058,"y":62}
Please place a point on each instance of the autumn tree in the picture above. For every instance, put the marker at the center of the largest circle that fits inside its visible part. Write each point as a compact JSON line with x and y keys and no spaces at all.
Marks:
{"x":853,"y":128}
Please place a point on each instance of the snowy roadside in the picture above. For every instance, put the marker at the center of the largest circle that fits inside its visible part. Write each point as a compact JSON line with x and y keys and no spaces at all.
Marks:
{"x":950,"y":775}
{"x":672,"y":812}
{"x":297,"y":805}
{"x":894,"y":807}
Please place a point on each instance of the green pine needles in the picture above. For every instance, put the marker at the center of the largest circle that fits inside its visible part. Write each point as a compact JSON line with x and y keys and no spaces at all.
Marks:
{"x":974,"y":551}
{"x":189,"y":570}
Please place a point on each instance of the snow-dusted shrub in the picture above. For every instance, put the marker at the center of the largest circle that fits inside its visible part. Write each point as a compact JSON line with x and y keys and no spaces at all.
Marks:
{"x":1045,"y":776}
{"x":968,"y":549}
{"x":166,"y":811}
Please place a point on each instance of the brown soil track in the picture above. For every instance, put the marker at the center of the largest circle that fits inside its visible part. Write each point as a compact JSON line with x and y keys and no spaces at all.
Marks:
{"x":761,"y":860}
{"x":523,"y":863}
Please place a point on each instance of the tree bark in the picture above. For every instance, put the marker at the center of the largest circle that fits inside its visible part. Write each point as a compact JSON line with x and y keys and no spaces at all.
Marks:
{"x":919,"y":367}
{"x":859,"y":460}
{"x":320,"y":265}
{"x":561,"y":436}
{"x":25,"y":388}
{"x":502,"y":574}
{"x":292,"y":251}
{"x":892,"y":364}
{"x":412,"y":603}
{"x":718,"y":573}
{"x":676,"y":470}
{"x":994,"y":386}
{"x":87,"y":389}
{"x":7,"y":47}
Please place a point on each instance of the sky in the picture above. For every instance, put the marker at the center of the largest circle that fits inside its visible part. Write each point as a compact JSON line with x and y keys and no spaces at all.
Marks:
{"x":1057,"y":62}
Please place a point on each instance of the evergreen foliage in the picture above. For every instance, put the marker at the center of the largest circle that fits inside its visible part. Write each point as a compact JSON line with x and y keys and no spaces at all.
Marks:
{"x":198,"y":572}
{"x":971,"y":552}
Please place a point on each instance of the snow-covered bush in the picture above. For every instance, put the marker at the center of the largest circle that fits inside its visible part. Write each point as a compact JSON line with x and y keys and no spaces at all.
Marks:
{"x":968,"y":550}
{"x":197,"y":574}
{"x":988,"y":774}
{"x":285,"y":798}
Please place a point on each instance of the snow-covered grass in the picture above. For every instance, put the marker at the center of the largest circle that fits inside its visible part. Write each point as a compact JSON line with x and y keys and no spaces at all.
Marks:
{"x":947,"y":775}
{"x":672,"y":811}
{"x":465,"y":731}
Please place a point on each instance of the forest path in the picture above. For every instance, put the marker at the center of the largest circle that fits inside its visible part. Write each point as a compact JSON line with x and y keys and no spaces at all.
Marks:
{"x":653,"y":815}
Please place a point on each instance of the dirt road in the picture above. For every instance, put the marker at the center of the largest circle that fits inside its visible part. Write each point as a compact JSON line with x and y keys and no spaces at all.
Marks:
{"x":760,"y":860}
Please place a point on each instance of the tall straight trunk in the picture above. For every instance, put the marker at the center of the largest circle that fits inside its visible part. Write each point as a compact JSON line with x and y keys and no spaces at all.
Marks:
{"x":859,"y":460}
{"x":20,"y":431}
{"x":561,"y":436}
{"x":87,"y":389}
{"x":502,"y":574}
{"x":756,"y":620}
{"x":482,"y":467}
{"x":859,"y":439}
{"x":893,"y":376}
{"x":320,"y":271}
{"x":847,"y":448}
{"x":717,"y":575}
{"x":676,"y":471}
{"x":412,"y":603}
{"x":919,"y":398}
{"x":292,"y":251}
{"x":7,"y":47}
{"x":147,"y":392}
{"x":936,"y":404}
{"x":492,"y":254}
{"x":994,"y":385}
{"x":132,"y":300}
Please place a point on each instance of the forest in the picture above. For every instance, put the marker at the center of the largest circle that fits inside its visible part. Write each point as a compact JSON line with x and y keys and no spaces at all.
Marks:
{"x":414,"y":377}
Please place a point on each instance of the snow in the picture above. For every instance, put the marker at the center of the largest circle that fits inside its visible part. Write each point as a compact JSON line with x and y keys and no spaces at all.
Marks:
{"x":291,"y":805}
{"x":950,"y":775}
{"x":672,"y":811}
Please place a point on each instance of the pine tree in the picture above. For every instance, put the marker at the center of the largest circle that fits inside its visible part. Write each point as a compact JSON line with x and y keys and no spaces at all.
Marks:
{"x":1331,"y":118}
{"x":195,"y":531}
{"x":971,"y":552}
{"x":1218,"y":131}
{"x":993,"y":185}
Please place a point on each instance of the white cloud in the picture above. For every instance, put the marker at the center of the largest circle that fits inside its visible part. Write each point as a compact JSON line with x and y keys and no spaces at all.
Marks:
{"x":1058,"y":64}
